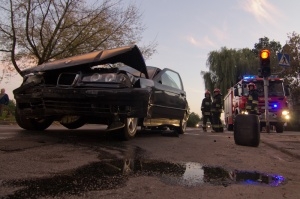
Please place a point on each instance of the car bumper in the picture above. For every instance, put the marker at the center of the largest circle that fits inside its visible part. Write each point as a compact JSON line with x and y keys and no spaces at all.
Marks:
{"x":272,"y":117}
{"x":47,"y":102}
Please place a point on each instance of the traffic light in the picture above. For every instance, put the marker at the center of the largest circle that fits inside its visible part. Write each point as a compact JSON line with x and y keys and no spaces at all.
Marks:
{"x":265,"y":67}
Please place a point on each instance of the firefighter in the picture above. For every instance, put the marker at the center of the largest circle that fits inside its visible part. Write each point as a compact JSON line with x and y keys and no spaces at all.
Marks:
{"x":252,"y":102}
{"x":216,"y":109}
{"x":205,"y":109}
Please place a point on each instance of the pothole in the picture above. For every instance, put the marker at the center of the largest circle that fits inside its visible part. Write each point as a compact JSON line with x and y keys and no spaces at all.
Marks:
{"x":113,"y":174}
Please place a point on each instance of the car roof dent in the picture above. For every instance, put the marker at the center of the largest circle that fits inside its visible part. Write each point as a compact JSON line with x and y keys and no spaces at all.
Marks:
{"x":128,"y":55}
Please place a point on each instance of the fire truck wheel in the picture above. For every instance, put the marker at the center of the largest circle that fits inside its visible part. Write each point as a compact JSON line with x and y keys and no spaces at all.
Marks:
{"x":279,"y":127}
{"x":230,"y":127}
{"x":247,"y":130}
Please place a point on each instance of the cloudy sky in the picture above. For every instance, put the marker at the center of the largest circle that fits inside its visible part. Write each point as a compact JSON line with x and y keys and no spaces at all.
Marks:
{"x":186,"y":31}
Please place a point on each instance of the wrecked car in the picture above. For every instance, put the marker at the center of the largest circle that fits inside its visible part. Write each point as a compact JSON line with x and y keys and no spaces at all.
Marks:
{"x":113,"y":87}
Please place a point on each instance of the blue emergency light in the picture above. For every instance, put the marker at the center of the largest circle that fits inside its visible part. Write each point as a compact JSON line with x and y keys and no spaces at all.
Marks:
{"x":275,"y":105}
{"x":249,"y":77}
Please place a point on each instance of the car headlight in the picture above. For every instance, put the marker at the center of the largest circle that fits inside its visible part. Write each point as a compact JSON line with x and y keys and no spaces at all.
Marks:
{"x":285,"y":112}
{"x":95,"y":77}
{"x":110,"y":77}
{"x":244,"y":112}
{"x":124,"y":80}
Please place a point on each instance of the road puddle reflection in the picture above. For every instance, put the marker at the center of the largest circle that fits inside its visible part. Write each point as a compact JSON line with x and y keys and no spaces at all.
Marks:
{"x":113,"y":174}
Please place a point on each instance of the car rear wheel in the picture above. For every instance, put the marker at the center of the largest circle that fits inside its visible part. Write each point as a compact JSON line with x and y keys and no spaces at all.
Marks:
{"x":130,"y":128}
{"x":72,"y":122}
{"x":30,"y":123}
{"x":182,"y":127}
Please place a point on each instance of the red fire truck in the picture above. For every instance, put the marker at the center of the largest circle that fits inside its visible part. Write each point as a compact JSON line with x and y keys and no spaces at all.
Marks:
{"x":236,"y":98}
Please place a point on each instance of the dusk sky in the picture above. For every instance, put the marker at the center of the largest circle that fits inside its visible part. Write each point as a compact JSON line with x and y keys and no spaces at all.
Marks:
{"x":186,"y":31}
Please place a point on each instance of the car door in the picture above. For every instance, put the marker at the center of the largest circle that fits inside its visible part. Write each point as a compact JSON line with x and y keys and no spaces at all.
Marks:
{"x":168,"y":99}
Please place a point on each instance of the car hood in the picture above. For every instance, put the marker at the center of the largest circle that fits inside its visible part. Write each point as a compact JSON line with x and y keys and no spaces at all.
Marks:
{"x":128,"y":55}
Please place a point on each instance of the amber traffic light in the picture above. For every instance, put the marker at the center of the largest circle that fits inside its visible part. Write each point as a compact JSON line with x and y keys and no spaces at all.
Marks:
{"x":265,"y":63}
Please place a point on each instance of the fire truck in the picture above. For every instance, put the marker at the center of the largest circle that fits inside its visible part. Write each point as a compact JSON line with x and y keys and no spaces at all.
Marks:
{"x":236,"y":98}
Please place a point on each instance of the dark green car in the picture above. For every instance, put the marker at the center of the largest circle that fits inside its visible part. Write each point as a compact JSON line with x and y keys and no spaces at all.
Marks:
{"x":112,"y":87}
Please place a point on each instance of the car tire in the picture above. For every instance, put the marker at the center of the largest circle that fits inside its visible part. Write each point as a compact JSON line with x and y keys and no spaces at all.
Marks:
{"x":247,"y":130}
{"x":32,"y":124}
{"x":130,"y":128}
{"x":73,"y":123}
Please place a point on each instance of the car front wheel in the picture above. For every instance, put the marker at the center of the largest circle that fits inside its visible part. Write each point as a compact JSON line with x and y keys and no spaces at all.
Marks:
{"x":30,"y":123}
{"x":130,"y":128}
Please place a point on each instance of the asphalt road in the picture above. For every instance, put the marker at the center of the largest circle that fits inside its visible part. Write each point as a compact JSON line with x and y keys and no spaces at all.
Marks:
{"x":90,"y":163}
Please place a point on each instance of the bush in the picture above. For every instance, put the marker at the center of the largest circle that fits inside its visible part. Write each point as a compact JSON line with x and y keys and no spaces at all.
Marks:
{"x":193,"y":120}
{"x":8,"y":112}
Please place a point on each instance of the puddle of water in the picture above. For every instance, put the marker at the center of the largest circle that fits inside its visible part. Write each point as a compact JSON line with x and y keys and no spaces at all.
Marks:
{"x":113,"y":174}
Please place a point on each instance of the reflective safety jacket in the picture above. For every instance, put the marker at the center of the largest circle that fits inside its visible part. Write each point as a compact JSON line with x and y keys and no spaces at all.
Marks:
{"x":217,"y":105}
{"x":206,"y":106}
{"x":252,"y":102}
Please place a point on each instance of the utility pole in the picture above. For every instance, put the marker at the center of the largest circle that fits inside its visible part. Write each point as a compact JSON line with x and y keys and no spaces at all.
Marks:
{"x":265,"y":69}
{"x":266,"y":91}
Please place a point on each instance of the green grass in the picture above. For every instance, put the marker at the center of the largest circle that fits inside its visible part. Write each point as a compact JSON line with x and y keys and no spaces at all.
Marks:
{"x":7,"y":117}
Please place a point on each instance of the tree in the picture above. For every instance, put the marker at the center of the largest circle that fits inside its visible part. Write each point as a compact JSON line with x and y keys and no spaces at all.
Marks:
{"x":292,"y":74}
{"x":226,"y":66}
{"x":193,"y":120}
{"x":273,"y":46}
{"x":41,"y":30}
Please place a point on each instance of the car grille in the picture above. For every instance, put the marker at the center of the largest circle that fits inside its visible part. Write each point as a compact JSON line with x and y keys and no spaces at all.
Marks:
{"x":83,"y":107}
{"x":67,"y":79}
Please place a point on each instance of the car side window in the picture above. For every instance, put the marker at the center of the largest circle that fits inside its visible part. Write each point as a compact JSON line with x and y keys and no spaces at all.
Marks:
{"x":172,"y":79}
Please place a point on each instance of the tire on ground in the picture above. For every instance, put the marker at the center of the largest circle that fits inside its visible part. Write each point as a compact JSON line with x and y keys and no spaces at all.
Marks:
{"x":247,"y":130}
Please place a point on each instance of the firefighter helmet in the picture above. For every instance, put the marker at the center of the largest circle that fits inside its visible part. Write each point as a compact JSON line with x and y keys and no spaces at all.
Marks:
{"x":217,"y":90}
{"x":206,"y":92}
{"x":251,"y":84}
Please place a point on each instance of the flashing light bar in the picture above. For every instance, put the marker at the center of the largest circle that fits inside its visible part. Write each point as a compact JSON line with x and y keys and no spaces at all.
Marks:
{"x":248,"y":77}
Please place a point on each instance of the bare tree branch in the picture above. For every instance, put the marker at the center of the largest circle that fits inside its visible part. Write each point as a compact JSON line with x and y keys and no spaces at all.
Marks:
{"x":46,"y":30}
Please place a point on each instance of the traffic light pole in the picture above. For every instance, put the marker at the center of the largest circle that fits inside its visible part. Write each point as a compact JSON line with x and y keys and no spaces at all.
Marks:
{"x":266,"y":86}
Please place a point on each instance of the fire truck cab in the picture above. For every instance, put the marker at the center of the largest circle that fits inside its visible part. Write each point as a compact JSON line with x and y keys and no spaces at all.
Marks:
{"x":236,"y":98}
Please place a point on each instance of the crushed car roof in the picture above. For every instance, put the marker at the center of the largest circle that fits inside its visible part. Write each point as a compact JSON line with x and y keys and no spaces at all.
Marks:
{"x":128,"y":55}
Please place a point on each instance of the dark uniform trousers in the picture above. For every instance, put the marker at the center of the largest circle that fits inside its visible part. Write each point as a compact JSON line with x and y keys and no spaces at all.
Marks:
{"x":252,"y":102}
{"x":206,"y":111}
{"x":216,"y":114}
